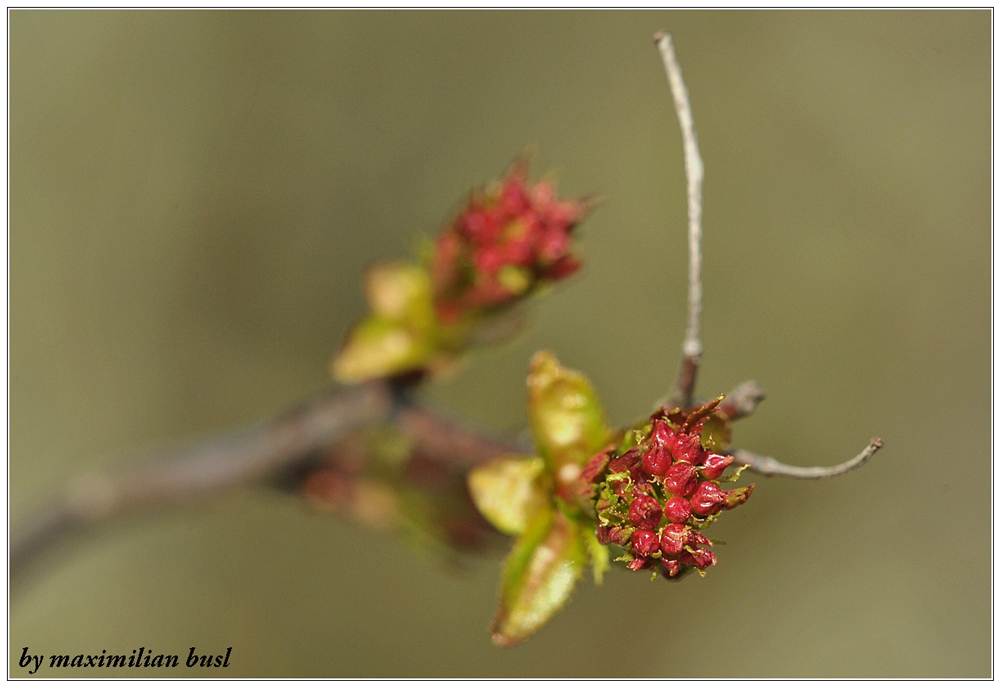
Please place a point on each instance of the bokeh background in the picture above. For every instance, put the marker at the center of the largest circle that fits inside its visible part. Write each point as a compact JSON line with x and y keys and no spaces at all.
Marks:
{"x":193,"y":199}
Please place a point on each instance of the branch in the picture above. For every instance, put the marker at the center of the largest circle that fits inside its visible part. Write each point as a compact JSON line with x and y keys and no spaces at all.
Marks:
{"x":254,"y":455}
{"x":695,"y":171}
{"x":446,"y":441}
{"x":743,"y":400}
{"x":770,"y":466}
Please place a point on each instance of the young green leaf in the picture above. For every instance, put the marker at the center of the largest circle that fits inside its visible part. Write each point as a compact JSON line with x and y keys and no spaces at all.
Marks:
{"x":509,"y":491}
{"x":565,"y":415}
{"x":538,"y":576}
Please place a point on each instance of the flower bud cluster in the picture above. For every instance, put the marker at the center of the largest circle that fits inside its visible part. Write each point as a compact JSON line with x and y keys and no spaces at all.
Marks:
{"x":657,"y":490}
{"x":511,"y":237}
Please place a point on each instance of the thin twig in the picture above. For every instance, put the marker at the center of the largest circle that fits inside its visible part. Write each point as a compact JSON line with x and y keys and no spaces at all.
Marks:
{"x":254,"y":455}
{"x":743,"y":400}
{"x":772,"y":467}
{"x":446,"y":441}
{"x":245,"y":456}
{"x":695,"y":171}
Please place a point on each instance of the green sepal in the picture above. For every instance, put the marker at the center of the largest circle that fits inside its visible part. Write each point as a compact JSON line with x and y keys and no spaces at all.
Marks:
{"x":733,"y":476}
{"x":509,"y":491}
{"x":538,"y":576}
{"x":565,"y":415}
{"x":600,"y":557}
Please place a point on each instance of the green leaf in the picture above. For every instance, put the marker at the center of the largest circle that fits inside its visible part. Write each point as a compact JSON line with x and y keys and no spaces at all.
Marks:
{"x":565,"y":415}
{"x":509,"y":491}
{"x":378,"y":347}
{"x":599,"y":556}
{"x":400,"y":292}
{"x":539,"y":576}
{"x":399,"y":334}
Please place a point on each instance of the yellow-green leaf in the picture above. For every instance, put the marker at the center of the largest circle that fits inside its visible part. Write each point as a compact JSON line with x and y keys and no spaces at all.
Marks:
{"x":539,"y":576}
{"x":379,"y":347}
{"x":400,"y":292}
{"x":565,"y":415}
{"x":600,"y":557}
{"x":509,"y":491}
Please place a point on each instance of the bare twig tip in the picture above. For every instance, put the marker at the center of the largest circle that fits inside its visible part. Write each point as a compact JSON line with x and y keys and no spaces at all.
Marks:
{"x":660,"y":35}
{"x":769,"y":466}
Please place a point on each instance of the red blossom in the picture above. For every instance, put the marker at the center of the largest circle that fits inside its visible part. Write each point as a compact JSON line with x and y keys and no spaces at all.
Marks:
{"x":645,"y":512}
{"x":681,"y":479}
{"x":678,"y":510}
{"x":714,"y":465}
{"x":656,"y":460}
{"x":515,"y":224}
{"x":669,"y":474}
{"x":707,"y":499}
{"x":645,"y":542}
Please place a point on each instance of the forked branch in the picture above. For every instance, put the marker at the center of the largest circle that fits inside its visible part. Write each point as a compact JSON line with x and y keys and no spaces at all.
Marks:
{"x":743,"y":400}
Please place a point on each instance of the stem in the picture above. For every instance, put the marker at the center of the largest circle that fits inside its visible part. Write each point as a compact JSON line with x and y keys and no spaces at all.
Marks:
{"x":743,"y":400}
{"x":256,"y":455}
{"x":770,"y":466}
{"x":245,"y":456}
{"x":695,"y":171}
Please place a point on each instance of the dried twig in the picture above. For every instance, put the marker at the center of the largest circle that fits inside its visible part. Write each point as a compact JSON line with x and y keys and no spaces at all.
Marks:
{"x":771,"y":467}
{"x":695,"y":171}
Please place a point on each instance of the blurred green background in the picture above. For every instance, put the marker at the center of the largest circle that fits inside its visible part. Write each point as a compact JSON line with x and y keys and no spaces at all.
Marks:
{"x":194,"y":197}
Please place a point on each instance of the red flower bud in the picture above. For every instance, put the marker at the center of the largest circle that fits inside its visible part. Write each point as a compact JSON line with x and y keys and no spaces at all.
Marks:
{"x":737,"y":497}
{"x":699,"y":539}
{"x":707,"y":499}
{"x":637,"y":564}
{"x":488,"y":259}
{"x":553,"y":244}
{"x":620,"y":535}
{"x":681,"y":479}
{"x":513,"y":196}
{"x":563,"y":267}
{"x":678,"y":509}
{"x":688,"y":449}
{"x":645,"y":512}
{"x":671,"y":567}
{"x":645,"y":542}
{"x":714,"y":465}
{"x":624,"y":462}
{"x":661,"y":434}
{"x":673,"y":538}
{"x":656,"y":461}
{"x":699,"y":558}
{"x":595,"y":466}
{"x":481,"y":226}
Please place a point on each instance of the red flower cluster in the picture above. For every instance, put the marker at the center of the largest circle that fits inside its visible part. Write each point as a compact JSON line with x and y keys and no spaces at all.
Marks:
{"x":510,"y":238}
{"x":653,"y":498}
